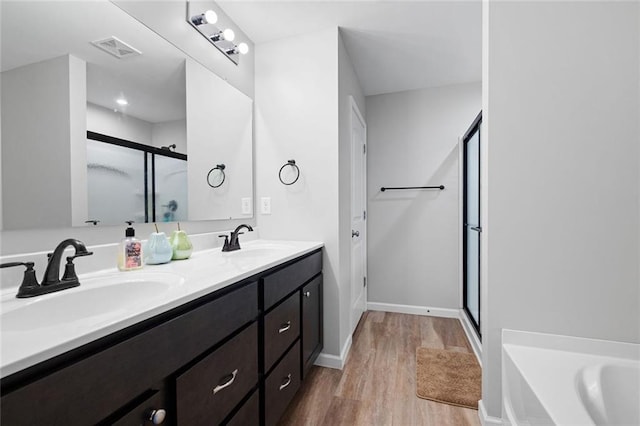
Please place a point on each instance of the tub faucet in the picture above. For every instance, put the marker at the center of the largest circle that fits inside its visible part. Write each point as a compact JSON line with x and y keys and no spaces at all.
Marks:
{"x":233,"y":243}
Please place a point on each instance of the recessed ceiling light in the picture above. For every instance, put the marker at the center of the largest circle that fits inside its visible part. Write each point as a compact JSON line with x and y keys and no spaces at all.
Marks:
{"x":122,"y":101}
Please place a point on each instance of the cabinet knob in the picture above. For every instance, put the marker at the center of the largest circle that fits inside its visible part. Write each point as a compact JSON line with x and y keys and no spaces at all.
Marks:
{"x":307,"y":294}
{"x":157,"y":416}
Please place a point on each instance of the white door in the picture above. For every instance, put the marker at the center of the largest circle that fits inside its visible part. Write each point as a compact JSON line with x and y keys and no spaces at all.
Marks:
{"x":358,"y":215}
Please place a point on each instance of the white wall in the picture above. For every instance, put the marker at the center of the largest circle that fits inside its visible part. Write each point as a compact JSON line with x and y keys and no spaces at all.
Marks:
{"x":119,"y":125}
{"x":43,"y":151}
{"x":115,"y":123}
{"x":348,"y":86}
{"x":219,"y":130}
{"x":170,"y":132}
{"x":413,"y":234}
{"x":562,"y":188}
{"x":296,"y":113}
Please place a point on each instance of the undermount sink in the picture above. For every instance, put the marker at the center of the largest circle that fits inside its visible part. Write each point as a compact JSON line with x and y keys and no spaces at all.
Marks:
{"x":96,"y":299}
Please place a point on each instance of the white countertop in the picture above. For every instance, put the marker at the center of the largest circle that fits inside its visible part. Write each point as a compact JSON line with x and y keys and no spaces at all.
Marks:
{"x":40,"y":337}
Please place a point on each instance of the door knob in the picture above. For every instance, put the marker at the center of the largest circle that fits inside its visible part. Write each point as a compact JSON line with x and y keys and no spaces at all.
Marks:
{"x":355,"y":233}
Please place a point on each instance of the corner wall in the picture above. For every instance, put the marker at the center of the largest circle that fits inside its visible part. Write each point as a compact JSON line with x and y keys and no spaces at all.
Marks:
{"x":562,"y":225}
{"x":348,"y":87}
{"x":296,"y":117}
{"x":413,"y":235}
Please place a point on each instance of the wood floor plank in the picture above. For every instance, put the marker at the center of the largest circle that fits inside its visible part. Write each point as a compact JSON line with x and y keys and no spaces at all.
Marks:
{"x":378,"y":383}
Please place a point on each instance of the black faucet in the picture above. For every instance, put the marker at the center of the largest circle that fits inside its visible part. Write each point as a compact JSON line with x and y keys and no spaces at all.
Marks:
{"x":232,"y":243}
{"x":51,"y":281}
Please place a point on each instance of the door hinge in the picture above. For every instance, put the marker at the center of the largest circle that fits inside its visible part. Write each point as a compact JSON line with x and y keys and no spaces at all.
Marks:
{"x":364,"y":215}
{"x":364,"y":148}
{"x":364,"y":281}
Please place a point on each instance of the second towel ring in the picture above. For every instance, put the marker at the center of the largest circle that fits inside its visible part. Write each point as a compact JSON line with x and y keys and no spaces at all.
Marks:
{"x":291,"y":163}
{"x":220,"y":167}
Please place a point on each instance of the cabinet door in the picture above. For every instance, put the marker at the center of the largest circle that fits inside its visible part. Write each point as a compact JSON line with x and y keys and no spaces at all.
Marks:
{"x":311,"y":323}
{"x":152,"y":410}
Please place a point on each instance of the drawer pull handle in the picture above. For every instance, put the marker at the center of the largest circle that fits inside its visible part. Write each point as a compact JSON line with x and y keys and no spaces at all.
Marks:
{"x":284,"y":327}
{"x":307,"y":294}
{"x":227,"y":383}
{"x":286,"y":382}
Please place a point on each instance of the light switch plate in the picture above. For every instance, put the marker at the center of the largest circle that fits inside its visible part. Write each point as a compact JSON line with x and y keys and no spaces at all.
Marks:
{"x":265,"y":205}
{"x":246,"y":205}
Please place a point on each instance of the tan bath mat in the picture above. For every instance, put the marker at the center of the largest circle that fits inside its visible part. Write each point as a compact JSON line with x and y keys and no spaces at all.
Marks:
{"x":446,"y":376}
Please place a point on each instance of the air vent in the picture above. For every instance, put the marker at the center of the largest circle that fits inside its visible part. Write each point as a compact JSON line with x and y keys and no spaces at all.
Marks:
{"x":116,"y":47}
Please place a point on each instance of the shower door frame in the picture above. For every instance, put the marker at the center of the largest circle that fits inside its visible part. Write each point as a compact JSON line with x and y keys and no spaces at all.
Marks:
{"x":473,"y":129}
{"x":149,"y":157}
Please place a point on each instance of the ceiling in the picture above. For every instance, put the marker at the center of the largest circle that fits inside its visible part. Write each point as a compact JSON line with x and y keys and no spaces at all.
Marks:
{"x":393,"y":45}
{"x":152,"y":83}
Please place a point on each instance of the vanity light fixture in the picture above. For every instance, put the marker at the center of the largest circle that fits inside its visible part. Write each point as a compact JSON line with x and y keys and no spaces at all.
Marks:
{"x":221,"y":39}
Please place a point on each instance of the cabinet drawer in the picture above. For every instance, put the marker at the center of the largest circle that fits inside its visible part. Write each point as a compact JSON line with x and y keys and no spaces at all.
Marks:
{"x":97,"y":385}
{"x":281,"y":328}
{"x":208,"y":391}
{"x":249,"y":414}
{"x":281,"y":385}
{"x":280,"y":283}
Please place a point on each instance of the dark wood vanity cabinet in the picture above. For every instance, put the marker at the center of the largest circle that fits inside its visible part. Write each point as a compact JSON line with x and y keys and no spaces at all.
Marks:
{"x":311,"y":323}
{"x":288,"y":315}
{"x":235,"y":356}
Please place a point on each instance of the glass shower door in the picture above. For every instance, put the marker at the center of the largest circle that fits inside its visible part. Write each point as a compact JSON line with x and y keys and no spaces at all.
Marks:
{"x":471,"y":225}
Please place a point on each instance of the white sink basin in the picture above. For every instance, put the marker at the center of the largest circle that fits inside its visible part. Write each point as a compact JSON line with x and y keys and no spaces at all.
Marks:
{"x":95,"y":299}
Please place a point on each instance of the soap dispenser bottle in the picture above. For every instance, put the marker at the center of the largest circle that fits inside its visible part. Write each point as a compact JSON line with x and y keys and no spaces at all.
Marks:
{"x":130,"y":251}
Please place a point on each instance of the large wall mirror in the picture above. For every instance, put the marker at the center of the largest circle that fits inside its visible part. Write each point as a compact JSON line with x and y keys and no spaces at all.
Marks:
{"x":105,"y":121}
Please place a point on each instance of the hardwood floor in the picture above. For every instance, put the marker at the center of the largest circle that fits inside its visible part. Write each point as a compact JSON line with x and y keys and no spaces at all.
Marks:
{"x":377,"y":385}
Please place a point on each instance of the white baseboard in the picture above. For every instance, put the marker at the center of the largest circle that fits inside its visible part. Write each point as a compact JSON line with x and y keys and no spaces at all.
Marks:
{"x":333,"y":361}
{"x":472,"y":337}
{"x":413,"y":310}
{"x":485,"y":419}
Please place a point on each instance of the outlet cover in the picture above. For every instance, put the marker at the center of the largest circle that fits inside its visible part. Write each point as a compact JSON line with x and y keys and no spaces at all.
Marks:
{"x":265,"y":205}
{"x":246,"y":205}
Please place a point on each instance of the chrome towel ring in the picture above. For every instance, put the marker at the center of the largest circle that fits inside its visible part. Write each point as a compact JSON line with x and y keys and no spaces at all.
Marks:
{"x":291,"y":163}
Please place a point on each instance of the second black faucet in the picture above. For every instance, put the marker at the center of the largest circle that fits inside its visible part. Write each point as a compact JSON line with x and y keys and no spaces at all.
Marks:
{"x":231,"y":243}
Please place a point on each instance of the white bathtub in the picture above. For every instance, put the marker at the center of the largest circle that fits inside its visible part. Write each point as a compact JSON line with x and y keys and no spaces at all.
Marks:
{"x":560,"y":380}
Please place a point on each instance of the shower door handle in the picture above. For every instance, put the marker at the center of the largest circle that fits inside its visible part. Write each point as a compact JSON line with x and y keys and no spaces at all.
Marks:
{"x":476,"y":228}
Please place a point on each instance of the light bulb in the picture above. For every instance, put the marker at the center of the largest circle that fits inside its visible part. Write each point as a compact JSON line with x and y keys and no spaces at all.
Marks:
{"x":243,"y":48}
{"x":210,"y":17}
{"x":228,"y":34}
{"x":122,"y":101}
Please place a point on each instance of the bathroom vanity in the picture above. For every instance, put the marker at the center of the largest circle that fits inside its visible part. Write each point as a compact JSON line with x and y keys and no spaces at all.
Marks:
{"x":226,"y":350}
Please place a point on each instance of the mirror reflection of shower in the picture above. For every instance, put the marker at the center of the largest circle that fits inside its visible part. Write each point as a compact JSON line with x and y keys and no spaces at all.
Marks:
{"x":130,"y":180}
